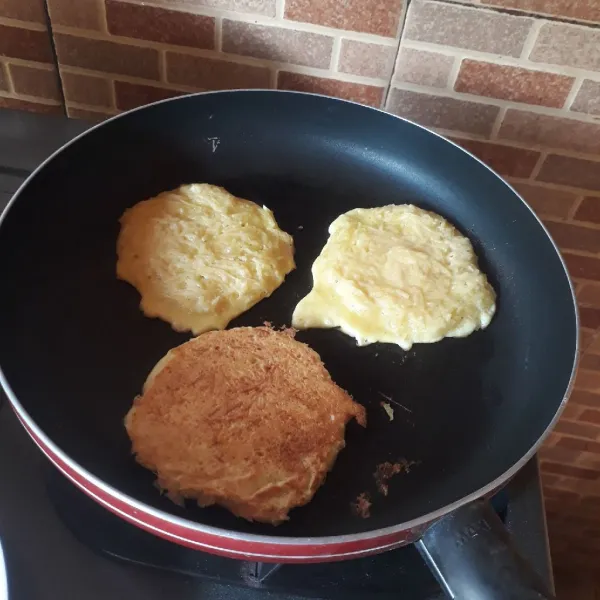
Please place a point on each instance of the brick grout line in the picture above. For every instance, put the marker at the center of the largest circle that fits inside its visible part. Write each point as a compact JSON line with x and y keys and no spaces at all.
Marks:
{"x":538,"y":166}
{"x":279,"y":9}
{"x":273,"y":76}
{"x":225,"y":56}
{"x":103,"y":110}
{"x":534,"y":108}
{"x":497,"y":124}
{"x":336,"y":53}
{"x":500,"y":59}
{"x":26,"y":97}
{"x":522,"y":13}
{"x":531,"y":39}
{"x":557,"y":186}
{"x":582,"y":224}
{"x":402,"y":18}
{"x":28,"y":63}
{"x":23,"y":24}
{"x":573,"y":93}
{"x":574,"y":209}
{"x":219,"y":34}
{"x":129,"y":79}
{"x":258,"y":19}
{"x":454,"y":71}
{"x":102,"y":12}
{"x":9,"y":79}
{"x":323,"y":73}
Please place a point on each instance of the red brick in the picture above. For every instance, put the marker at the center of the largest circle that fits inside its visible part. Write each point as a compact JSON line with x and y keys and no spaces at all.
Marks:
{"x":577,"y":429}
{"x":589,"y":210}
{"x":423,"y":67}
{"x":16,"y":104}
{"x":513,"y":83}
{"x":365,"y":94}
{"x":585,"y":399}
{"x":212,"y":74}
{"x":588,"y":98}
{"x":590,"y":416}
{"x":588,"y":380}
{"x":594,"y":346}
{"x":579,"y":444}
{"x":86,"y":114}
{"x":550,"y":131}
{"x":561,"y":455}
{"x":591,"y":361}
{"x":570,"y":412}
{"x":470,"y":28}
{"x":570,"y":471}
{"x":586,"y":336}
{"x":506,"y":160}
{"x":16,"y":42}
{"x":109,"y":57}
{"x":590,"y":317}
{"x":3,"y":77}
{"x":547,"y":202}
{"x":570,"y":45}
{"x":366,"y":59}
{"x":23,"y":10}
{"x":442,"y":112}
{"x":566,"y":170}
{"x":35,"y":82}
{"x":132,"y":95}
{"x":585,"y":267}
{"x":277,"y":43}
{"x":574,"y":237}
{"x":160,"y":24}
{"x":584,"y":10}
{"x":84,"y":89}
{"x":380,"y":17}
{"x":83,"y":14}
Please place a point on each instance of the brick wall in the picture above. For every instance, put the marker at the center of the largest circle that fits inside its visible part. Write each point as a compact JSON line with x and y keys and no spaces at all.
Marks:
{"x":516,"y":82}
{"x":28,"y":75}
{"x":115,"y":55}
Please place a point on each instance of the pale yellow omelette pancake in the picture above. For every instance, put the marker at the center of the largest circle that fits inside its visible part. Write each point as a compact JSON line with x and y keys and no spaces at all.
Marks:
{"x":396,"y":274}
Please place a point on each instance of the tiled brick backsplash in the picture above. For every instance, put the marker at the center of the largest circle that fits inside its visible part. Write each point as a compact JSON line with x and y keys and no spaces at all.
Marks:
{"x":145,"y":51}
{"x":28,"y":75}
{"x":516,"y":82}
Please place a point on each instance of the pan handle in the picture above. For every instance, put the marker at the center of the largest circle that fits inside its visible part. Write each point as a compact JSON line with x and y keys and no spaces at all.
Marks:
{"x":471,"y":555}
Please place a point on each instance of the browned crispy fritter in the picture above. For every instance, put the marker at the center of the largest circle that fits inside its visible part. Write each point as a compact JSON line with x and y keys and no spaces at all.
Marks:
{"x":247,"y":418}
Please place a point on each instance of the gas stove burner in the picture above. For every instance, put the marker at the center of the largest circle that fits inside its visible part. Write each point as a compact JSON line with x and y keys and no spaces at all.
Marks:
{"x":379,"y":577}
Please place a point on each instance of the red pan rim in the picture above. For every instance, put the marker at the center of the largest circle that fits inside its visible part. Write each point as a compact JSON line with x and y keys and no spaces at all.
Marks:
{"x":48,"y":446}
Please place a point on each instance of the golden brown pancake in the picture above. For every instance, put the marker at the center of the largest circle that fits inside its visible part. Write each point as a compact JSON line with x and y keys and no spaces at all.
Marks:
{"x":200,"y":257}
{"x":247,"y":418}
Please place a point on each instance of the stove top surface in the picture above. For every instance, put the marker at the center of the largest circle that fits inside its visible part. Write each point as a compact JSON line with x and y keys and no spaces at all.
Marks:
{"x":58,"y":544}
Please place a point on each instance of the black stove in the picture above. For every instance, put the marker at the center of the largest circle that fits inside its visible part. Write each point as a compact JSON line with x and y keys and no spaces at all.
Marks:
{"x":58,"y":544}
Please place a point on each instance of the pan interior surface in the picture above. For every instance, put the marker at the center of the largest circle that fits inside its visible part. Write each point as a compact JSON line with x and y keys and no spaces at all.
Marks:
{"x":76,"y":348}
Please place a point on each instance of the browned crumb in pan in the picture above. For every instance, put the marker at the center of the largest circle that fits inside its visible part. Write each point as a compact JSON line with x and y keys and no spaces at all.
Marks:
{"x":385,"y":471}
{"x":362,"y":506}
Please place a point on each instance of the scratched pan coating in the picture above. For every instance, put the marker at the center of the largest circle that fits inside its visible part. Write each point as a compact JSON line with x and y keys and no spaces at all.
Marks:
{"x":76,"y":349}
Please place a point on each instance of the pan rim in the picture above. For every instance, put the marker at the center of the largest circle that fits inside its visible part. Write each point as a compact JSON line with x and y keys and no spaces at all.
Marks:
{"x":283,"y":541}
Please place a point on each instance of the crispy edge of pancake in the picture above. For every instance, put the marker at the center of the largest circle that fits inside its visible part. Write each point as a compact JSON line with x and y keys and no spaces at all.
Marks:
{"x":258,"y":508}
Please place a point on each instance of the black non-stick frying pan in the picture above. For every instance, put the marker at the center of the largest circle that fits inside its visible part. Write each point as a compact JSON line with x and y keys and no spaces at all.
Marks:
{"x":75,"y":348}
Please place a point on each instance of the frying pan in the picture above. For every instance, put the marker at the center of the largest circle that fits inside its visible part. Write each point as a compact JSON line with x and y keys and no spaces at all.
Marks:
{"x":75,"y":348}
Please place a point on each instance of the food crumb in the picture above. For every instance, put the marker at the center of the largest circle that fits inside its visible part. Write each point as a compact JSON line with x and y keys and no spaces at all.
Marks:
{"x":388,"y":409}
{"x":385,"y":471}
{"x":300,"y":227}
{"x":362,"y":506}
